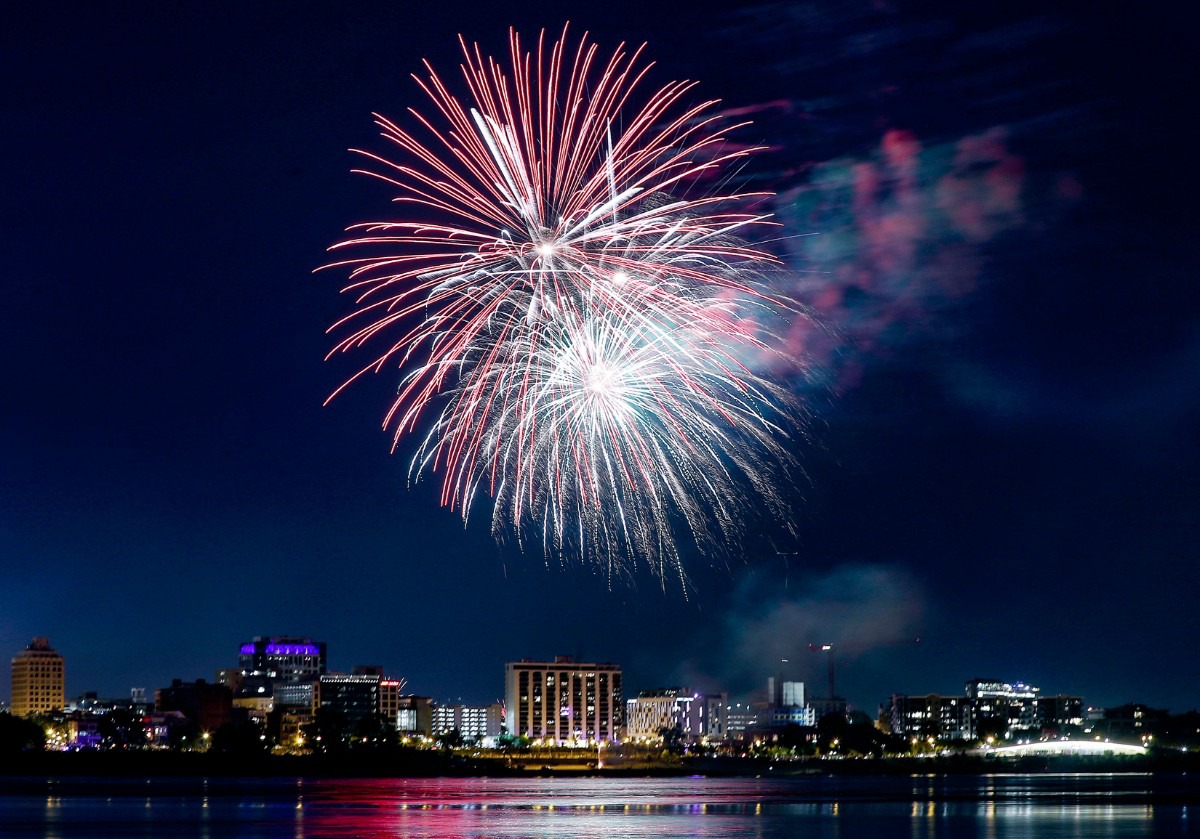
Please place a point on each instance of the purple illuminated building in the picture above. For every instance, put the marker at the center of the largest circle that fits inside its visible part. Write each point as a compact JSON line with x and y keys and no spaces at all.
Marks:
{"x":282,"y":659}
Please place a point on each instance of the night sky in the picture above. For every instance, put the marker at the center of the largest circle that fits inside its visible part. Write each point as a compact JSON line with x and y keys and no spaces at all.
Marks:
{"x":991,"y":213}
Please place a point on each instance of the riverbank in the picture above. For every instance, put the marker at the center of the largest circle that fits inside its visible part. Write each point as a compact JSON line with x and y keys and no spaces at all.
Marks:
{"x":428,"y":763}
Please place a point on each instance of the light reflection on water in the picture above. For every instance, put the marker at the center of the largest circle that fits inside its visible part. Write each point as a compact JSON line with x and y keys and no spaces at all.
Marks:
{"x":923,"y":807}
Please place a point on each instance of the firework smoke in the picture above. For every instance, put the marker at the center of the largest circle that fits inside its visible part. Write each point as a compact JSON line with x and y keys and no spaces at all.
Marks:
{"x":579,"y":338}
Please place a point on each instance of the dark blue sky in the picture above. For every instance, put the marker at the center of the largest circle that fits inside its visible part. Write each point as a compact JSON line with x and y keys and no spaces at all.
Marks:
{"x":1003,"y":458}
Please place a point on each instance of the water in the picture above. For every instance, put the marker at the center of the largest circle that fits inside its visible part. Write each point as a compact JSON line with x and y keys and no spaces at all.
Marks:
{"x":918,"y":807}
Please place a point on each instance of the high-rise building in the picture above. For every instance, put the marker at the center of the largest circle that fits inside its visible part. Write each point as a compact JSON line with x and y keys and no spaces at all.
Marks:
{"x":785,"y":694}
{"x":283,"y":658}
{"x":563,"y":700}
{"x":355,"y":697}
{"x":38,"y":680}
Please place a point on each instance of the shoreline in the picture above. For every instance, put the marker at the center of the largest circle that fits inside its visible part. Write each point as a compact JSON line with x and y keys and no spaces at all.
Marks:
{"x":428,"y":764}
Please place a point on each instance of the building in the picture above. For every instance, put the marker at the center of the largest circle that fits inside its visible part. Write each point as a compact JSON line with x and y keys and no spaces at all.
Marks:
{"x":288,"y":726}
{"x":695,"y":716}
{"x":990,"y":708}
{"x":777,"y":716}
{"x":563,"y":700}
{"x":207,"y":705}
{"x":740,"y":718}
{"x":1131,"y":723}
{"x":83,"y":730}
{"x":355,"y":697}
{"x":473,"y":722}
{"x":281,"y":658}
{"x":1001,"y":709}
{"x":823,"y":706}
{"x":1061,"y":712}
{"x":389,"y":701}
{"x":714,"y":720}
{"x":651,"y":713}
{"x":785,"y":694}
{"x":414,"y":715}
{"x":275,"y":671}
{"x":166,"y":728}
{"x":942,"y":717}
{"x":786,"y":706}
{"x":298,"y":695}
{"x":366,"y":693}
{"x":38,"y":680}
{"x":256,"y":708}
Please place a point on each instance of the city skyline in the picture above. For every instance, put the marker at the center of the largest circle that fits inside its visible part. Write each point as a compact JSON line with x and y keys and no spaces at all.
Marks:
{"x":982,"y":208}
{"x":282,"y":699}
{"x":298,"y":655}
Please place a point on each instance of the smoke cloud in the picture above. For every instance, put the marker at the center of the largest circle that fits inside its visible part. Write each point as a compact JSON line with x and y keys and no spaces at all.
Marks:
{"x":857,"y":608}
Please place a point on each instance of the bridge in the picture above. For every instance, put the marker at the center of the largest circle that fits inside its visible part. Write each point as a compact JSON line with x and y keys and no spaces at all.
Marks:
{"x":1068,"y":748}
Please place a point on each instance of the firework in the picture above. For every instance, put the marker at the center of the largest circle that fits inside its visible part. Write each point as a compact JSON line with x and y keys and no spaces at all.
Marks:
{"x":576,"y":335}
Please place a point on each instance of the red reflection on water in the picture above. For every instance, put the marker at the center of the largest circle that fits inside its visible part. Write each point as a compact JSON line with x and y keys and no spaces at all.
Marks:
{"x":468,"y":808}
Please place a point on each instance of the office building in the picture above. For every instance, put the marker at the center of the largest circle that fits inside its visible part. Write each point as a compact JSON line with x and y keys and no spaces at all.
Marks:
{"x":38,"y":680}
{"x":942,"y":717}
{"x":1001,"y":708}
{"x":207,"y":705}
{"x":473,"y":722}
{"x":389,"y":700}
{"x":990,"y":708}
{"x":297,"y":695}
{"x":355,"y":697}
{"x":785,"y":706}
{"x":414,"y":716}
{"x":282,"y":658}
{"x":276,"y":671}
{"x":781,"y":716}
{"x":697,"y":717}
{"x":563,"y":700}
{"x":741,"y":718}
{"x":785,"y":694}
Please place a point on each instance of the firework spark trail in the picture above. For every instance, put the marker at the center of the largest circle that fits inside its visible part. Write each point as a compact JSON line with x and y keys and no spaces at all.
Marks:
{"x":576,"y":331}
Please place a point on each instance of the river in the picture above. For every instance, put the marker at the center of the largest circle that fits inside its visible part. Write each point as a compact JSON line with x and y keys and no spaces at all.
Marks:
{"x":992,"y":806}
